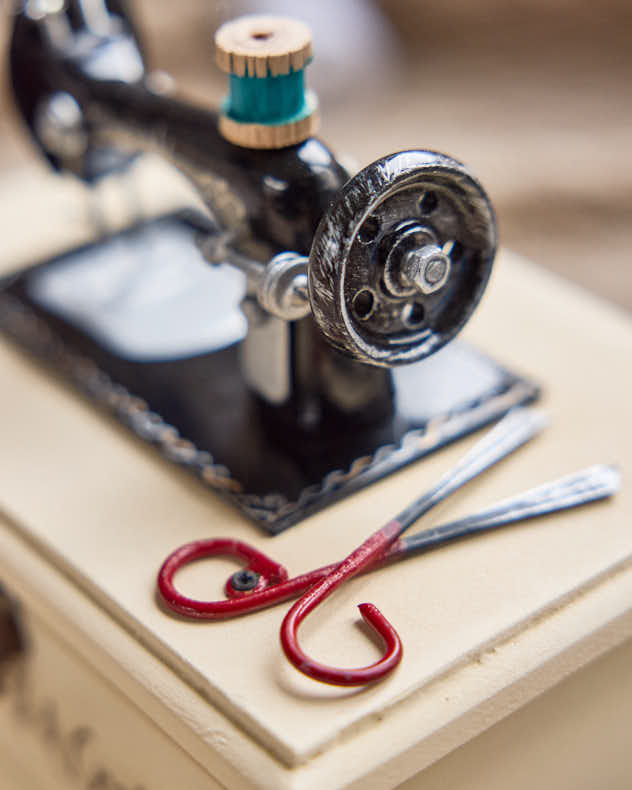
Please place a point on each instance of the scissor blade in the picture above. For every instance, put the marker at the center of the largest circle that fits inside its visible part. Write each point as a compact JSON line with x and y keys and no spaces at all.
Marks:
{"x":514,"y":430}
{"x":588,"y":485}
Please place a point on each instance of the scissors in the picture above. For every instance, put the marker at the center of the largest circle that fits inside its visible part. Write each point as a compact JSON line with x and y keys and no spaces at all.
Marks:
{"x":264,"y":582}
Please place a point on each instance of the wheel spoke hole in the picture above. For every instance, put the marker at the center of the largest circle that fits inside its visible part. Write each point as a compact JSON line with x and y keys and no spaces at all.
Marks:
{"x":414,"y":315}
{"x":456,"y":253}
{"x":364,"y":304}
{"x":369,"y":230}
{"x":428,"y":202}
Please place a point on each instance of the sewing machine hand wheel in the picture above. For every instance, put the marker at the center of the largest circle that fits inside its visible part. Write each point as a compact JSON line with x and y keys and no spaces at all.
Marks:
{"x":401,"y":259}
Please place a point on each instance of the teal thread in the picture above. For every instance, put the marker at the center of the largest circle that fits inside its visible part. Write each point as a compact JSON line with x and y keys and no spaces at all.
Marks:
{"x":267,"y":100}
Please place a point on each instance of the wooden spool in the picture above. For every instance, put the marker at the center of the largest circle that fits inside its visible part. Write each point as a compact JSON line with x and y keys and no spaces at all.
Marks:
{"x":267,"y":106}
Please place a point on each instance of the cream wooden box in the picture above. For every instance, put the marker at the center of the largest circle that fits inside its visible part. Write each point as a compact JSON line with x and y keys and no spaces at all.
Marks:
{"x":506,"y":681}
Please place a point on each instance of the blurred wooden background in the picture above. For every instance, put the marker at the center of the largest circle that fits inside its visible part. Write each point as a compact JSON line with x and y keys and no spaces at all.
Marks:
{"x":534,"y":96}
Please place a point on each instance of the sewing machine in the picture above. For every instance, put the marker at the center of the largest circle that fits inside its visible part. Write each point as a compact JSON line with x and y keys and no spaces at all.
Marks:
{"x":273,"y":346}
{"x":288,"y":344}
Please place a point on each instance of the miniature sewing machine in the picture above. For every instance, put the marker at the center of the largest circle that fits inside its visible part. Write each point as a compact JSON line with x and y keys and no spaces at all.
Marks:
{"x":289,"y":344}
{"x":276,"y":347}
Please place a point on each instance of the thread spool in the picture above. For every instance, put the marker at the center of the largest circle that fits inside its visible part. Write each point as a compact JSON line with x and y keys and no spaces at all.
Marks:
{"x":265,"y":58}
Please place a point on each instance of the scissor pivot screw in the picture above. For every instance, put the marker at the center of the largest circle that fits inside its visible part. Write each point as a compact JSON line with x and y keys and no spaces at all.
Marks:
{"x":244,"y":580}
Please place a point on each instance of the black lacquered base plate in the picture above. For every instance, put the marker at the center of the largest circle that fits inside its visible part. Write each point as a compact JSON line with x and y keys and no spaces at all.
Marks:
{"x":195,"y":407}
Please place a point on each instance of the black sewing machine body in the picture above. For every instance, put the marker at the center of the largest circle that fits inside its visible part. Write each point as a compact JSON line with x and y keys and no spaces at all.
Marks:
{"x":168,"y":327}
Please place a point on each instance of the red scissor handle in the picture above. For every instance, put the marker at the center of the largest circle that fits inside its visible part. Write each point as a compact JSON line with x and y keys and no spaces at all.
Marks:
{"x":268,"y":572}
{"x":270,"y":585}
{"x":374,"y":550}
